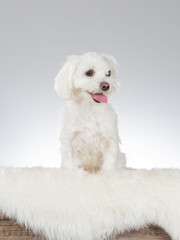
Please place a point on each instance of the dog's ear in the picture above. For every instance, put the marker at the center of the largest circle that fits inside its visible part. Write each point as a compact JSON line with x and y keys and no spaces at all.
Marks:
{"x":64,"y":79}
{"x":114,"y":67}
{"x":112,"y":61}
{"x":110,"y":58}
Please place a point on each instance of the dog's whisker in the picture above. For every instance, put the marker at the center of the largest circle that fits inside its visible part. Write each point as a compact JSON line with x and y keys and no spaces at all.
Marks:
{"x":77,"y":90}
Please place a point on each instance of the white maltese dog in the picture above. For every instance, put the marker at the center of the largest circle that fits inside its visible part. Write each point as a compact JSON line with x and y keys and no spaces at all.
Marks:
{"x":89,"y":136}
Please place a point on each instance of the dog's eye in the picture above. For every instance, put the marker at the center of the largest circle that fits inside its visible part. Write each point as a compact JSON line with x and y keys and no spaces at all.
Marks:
{"x":89,"y":73}
{"x":108,"y":74}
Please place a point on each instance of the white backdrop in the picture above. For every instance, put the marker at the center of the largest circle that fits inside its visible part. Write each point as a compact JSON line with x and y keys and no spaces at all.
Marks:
{"x":37,"y":35}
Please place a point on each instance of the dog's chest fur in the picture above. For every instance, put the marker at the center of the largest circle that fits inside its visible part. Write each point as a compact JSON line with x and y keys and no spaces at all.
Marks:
{"x":89,"y":127}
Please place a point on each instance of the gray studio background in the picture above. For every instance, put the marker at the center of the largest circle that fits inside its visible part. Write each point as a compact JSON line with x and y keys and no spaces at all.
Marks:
{"x":35,"y":38}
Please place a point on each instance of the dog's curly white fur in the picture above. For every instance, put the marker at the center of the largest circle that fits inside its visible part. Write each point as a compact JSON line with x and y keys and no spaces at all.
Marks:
{"x":89,"y":136}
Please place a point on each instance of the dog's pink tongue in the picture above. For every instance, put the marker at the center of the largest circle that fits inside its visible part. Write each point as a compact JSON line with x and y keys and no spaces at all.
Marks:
{"x":100,"y":98}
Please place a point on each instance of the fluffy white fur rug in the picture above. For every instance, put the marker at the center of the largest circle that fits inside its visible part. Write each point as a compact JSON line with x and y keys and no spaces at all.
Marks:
{"x":76,"y":206}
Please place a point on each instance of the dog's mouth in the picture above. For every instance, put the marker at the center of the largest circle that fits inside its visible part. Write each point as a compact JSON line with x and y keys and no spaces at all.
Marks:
{"x":99,"y":97}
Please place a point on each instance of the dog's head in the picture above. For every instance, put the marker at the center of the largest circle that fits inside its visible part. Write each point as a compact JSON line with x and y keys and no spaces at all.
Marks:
{"x":90,"y":76}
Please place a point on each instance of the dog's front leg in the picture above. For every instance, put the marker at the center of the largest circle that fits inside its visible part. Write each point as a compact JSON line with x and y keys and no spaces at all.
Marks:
{"x":110,"y":157}
{"x":67,"y":161}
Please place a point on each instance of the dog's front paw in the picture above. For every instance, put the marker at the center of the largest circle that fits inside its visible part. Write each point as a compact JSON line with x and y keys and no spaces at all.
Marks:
{"x":107,"y":167}
{"x":69,"y":167}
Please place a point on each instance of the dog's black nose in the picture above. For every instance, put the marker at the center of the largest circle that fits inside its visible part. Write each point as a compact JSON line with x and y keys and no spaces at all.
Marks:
{"x":104,"y":86}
